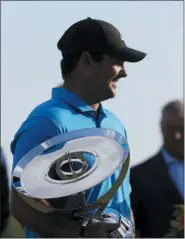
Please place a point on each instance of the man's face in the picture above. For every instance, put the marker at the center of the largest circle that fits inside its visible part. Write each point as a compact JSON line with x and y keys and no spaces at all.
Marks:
{"x":173,"y":134}
{"x":105,"y":76}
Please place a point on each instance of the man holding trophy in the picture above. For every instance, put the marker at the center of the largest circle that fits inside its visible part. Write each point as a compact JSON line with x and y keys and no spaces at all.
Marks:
{"x":93,"y":54}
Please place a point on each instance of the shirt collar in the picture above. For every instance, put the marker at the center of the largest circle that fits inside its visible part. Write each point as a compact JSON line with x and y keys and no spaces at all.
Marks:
{"x":74,"y":100}
{"x":168,"y":158}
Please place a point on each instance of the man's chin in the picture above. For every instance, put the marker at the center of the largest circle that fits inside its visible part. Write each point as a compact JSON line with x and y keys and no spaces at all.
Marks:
{"x":113,"y":93}
{"x":109,"y":95}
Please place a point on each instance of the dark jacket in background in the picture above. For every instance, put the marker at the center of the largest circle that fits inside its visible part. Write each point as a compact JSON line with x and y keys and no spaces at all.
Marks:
{"x":4,"y":193}
{"x":153,"y":197}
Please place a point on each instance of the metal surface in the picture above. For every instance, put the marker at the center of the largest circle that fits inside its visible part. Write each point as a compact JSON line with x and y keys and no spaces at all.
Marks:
{"x":62,"y":168}
{"x":108,"y":148}
{"x":113,"y":216}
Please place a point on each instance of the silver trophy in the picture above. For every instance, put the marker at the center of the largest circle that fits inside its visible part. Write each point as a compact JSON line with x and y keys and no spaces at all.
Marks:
{"x":59,"y":174}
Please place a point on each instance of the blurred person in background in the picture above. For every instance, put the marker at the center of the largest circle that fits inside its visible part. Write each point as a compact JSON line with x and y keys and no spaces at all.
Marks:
{"x":4,"y":194}
{"x":158,"y":183}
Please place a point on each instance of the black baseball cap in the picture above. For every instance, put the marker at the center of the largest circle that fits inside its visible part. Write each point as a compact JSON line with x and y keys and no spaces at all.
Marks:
{"x":96,"y":36}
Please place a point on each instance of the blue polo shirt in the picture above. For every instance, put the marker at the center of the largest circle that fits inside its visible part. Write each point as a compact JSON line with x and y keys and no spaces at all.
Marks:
{"x":66,"y":112}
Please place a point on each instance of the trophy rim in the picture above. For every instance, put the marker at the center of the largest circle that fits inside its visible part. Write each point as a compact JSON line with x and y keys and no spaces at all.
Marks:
{"x":63,"y":139}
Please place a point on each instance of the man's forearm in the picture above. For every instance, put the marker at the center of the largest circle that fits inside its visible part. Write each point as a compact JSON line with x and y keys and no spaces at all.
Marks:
{"x":44,"y":225}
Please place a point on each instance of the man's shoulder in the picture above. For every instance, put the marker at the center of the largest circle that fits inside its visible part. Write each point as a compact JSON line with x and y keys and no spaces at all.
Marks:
{"x":111,"y":115}
{"x":51,"y":112}
{"x":45,"y":118}
{"x":49,"y":108}
{"x":116,"y":121}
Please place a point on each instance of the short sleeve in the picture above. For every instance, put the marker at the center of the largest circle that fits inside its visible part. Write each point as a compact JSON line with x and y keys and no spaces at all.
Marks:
{"x":32,"y":133}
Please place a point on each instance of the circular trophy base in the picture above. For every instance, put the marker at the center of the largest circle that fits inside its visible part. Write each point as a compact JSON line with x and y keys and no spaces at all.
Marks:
{"x":70,"y":163}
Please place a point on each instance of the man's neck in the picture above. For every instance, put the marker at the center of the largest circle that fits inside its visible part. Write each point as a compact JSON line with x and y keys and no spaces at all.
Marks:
{"x":81,"y":92}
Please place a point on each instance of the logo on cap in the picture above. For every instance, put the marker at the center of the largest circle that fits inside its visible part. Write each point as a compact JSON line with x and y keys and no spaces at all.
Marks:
{"x":121,"y":37}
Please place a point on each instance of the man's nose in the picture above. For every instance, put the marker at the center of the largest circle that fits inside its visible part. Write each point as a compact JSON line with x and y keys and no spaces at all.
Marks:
{"x":123,"y":72}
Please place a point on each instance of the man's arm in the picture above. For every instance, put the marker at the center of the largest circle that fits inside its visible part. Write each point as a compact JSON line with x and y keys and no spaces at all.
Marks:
{"x":36,"y":131}
{"x":46,"y":225}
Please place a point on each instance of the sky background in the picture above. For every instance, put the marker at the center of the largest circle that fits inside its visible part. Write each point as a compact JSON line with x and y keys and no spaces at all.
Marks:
{"x":30,"y":62}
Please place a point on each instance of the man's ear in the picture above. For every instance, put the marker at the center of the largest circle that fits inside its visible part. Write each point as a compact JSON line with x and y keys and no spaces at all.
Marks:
{"x":85,"y":58}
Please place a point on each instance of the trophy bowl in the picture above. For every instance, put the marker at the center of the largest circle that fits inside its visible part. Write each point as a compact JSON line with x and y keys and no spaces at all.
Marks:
{"x":59,"y":175}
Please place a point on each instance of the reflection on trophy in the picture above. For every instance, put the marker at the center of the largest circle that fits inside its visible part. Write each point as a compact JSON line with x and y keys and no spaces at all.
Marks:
{"x":62,"y":172}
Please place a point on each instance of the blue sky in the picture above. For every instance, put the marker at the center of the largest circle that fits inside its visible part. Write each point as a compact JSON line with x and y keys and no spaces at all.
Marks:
{"x":30,"y":62}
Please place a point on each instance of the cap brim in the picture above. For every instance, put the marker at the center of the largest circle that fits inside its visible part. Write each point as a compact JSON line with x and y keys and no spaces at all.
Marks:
{"x":129,"y":54}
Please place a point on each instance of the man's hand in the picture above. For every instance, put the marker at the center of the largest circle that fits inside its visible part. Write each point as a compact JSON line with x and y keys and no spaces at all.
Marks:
{"x":99,"y":229}
{"x":56,"y":225}
{"x":65,"y":228}
{"x":72,"y":228}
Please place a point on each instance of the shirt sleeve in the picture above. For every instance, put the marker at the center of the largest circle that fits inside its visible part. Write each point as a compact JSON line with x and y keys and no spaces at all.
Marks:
{"x":32,"y":133}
